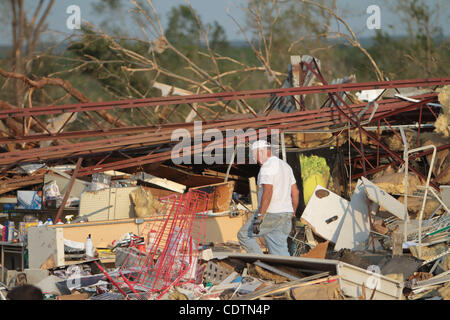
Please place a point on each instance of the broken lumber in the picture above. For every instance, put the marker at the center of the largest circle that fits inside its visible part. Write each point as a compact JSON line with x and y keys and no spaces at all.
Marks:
{"x":285,"y":286}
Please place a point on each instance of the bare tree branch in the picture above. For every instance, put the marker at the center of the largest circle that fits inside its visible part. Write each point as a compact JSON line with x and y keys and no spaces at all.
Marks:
{"x":352,"y":39}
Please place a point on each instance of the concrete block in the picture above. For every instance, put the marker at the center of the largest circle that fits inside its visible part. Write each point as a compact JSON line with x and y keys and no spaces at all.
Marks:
{"x":42,"y":243}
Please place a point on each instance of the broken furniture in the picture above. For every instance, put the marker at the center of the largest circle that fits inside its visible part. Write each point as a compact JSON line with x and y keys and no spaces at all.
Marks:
{"x":348,"y":224}
{"x":355,"y":229}
{"x":383,"y":199}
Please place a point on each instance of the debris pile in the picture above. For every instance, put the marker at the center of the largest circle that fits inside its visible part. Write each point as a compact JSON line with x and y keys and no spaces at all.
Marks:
{"x":125,"y":213}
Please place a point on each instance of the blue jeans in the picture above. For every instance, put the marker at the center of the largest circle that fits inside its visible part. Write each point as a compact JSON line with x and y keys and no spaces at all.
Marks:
{"x":275,"y":229}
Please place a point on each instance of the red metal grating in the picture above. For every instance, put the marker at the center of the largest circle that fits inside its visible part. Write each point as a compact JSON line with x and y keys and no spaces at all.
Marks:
{"x":171,"y":254}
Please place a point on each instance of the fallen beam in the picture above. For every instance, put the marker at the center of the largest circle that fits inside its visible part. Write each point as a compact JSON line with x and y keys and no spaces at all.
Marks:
{"x":222,"y":96}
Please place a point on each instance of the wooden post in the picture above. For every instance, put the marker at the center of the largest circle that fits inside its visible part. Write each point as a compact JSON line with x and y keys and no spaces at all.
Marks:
{"x":253,"y":193}
{"x":397,"y":244}
{"x":69,"y":188}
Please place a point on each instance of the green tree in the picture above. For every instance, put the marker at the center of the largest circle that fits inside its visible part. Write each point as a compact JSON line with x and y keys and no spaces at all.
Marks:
{"x":422,"y":52}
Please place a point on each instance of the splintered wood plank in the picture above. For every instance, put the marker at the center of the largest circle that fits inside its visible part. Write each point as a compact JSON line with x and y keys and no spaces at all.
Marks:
{"x":286,"y":286}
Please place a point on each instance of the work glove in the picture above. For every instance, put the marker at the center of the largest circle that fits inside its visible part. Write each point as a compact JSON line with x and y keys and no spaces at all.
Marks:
{"x":257,"y":223}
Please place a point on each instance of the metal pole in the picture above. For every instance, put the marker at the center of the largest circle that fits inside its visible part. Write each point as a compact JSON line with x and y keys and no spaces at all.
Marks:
{"x":231,"y":163}
{"x":283,"y":146}
{"x":439,"y":199}
{"x":69,"y":188}
{"x":425,"y":194}
{"x":405,"y":181}
{"x":111,"y":280}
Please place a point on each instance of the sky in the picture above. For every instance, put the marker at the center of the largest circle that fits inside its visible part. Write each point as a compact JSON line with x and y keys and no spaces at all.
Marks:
{"x":354,"y":12}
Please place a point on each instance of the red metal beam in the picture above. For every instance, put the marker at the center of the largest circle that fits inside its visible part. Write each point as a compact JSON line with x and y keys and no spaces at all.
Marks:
{"x":222,"y":96}
{"x":156,"y":135}
{"x":413,"y":156}
{"x":294,"y":121}
{"x":357,"y":123}
{"x":389,"y":104}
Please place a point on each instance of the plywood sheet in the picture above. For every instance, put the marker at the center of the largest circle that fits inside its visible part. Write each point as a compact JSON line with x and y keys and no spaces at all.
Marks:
{"x":253,"y":193}
{"x":161,"y":182}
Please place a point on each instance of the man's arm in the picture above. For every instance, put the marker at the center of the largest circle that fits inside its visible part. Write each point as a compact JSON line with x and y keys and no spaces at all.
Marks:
{"x":294,"y":195}
{"x":265,"y":198}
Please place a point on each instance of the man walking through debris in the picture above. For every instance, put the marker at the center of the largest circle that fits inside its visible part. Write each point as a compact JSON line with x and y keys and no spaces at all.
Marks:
{"x":277,"y":203}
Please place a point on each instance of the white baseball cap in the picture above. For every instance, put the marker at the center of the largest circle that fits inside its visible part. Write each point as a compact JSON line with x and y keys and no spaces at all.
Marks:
{"x":259,"y":144}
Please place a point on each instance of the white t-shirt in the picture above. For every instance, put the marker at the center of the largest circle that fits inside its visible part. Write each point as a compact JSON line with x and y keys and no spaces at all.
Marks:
{"x":279,"y":174}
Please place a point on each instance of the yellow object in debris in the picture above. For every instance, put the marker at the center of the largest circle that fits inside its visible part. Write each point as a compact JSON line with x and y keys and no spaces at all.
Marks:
{"x":105,"y":251}
{"x":315,"y":171}
{"x":310,"y":184}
